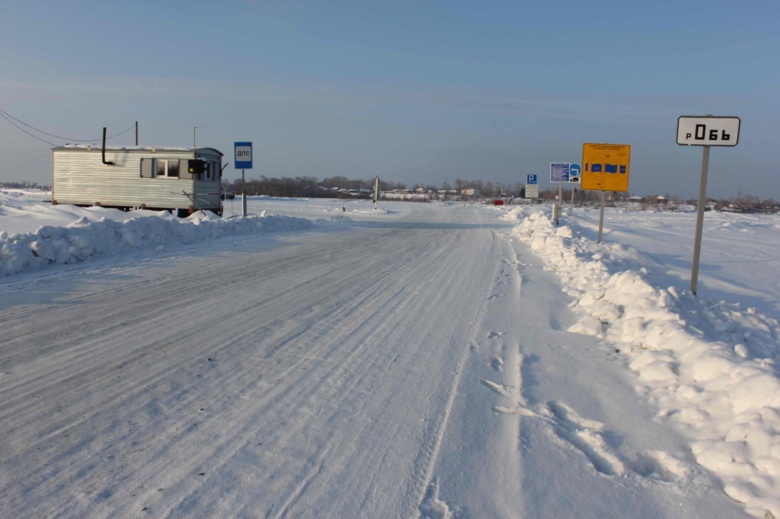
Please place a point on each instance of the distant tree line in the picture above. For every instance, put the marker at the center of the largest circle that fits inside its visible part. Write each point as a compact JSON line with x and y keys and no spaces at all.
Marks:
{"x":739,"y":204}
{"x":306,"y":187}
{"x":461,"y":189}
{"x":341,"y":186}
{"x":24,"y":185}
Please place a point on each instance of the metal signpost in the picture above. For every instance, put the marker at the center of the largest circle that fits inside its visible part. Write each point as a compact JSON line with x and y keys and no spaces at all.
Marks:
{"x":705,"y":131}
{"x":606,"y":168}
{"x":559,"y":172}
{"x":243,"y":160}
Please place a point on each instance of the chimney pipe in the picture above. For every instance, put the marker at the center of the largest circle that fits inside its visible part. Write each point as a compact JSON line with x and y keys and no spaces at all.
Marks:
{"x":109,"y":163}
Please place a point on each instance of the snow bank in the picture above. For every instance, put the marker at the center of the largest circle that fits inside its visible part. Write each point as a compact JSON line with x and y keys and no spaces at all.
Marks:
{"x":709,"y":366}
{"x":85,"y":238}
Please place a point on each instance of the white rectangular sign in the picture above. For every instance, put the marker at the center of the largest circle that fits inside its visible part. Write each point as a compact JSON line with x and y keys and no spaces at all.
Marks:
{"x":707,"y":131}
{"x":532,"y":191}
{"x":559,"y":171}
{"x":243,"y":159}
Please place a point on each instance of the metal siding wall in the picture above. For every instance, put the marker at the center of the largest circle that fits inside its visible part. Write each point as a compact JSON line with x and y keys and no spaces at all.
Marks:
{"x":208,"y":194}
{"x":80,"y":178}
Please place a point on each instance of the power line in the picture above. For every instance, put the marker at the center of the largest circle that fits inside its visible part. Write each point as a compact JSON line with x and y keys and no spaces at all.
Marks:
{"x":23,"y":163}
{"x":8,"y":118}
{"x":25,"y":131}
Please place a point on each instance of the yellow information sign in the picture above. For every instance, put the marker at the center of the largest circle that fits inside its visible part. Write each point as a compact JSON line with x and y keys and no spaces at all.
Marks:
{"x":605,"y":167}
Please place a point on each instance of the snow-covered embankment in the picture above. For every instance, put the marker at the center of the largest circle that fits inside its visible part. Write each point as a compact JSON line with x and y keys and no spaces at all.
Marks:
{"x":85,"y":238}
{"x":709,"y":366}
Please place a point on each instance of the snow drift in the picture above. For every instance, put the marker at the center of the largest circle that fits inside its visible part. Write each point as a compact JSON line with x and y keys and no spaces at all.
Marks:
{"x":85,"y":238}
{"x":709,"y":366}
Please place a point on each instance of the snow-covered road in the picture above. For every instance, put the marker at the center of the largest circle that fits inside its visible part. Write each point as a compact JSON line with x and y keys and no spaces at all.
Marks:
{"x":415,"y":366}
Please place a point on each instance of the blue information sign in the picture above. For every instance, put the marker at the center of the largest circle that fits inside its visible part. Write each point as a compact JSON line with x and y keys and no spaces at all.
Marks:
{"x":559,"y":171}
{"x":531,"y":179}
{"x":243,"y":158}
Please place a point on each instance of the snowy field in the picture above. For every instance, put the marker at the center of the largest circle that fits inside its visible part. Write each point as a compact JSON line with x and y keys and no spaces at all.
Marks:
{"x":324,"y":359}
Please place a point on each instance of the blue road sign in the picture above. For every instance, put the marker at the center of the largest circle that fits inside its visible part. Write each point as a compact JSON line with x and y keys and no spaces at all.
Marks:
{"x":243,"y":158}
{"x":575,"y":172}
{"x":531,"y":179}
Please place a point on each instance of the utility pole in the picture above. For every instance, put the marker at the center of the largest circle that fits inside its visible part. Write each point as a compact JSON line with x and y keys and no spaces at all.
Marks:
{"x":194,"y":143}
{"x":376,"y":192}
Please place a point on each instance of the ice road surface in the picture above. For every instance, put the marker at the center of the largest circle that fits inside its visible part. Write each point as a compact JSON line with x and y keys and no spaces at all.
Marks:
{"x":325,"y":359}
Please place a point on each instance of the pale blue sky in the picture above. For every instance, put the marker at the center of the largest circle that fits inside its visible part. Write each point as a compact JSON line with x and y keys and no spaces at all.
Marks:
{"x":416,"y":92}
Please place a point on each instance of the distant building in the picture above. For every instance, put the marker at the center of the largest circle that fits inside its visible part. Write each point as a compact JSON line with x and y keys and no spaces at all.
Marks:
{"x":635,"y":202}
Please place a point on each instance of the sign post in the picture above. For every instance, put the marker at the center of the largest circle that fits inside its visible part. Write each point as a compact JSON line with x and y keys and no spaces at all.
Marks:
{"x":243,"y":160}
{"x":559,"y":172}
{"x":605,"y":168}
{"x":575,"y":170}
{"x":705,"y":131}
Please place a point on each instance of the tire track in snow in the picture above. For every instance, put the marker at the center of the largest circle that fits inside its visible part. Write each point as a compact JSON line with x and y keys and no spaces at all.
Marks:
{"x":399,"y":303}
{"x":607,"y":451}
{"x":264,"y":409}
{"x":279,"y":396}
{"x":426,"y":486}
{"x":503,"y":289}
{"x":139,"y":386}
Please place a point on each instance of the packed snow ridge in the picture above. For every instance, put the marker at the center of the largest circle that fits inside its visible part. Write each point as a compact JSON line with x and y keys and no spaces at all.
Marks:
{"x":708,"y":366}
{"x":86,"y":238}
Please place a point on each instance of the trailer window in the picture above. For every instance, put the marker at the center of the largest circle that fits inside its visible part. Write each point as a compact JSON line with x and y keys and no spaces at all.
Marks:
{"x":167,"y":167}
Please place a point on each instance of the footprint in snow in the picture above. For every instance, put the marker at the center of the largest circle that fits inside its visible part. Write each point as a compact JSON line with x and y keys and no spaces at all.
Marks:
{"x":587,"y":436}
{"x":498,"y":388}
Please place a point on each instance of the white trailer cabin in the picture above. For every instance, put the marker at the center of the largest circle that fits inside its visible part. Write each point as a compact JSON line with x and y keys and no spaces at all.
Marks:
{"x":174,"y":179}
